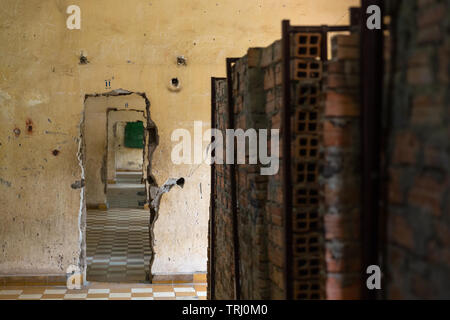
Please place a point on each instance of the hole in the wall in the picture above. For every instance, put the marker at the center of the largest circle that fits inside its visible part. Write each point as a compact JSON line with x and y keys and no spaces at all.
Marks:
{"x":83,"y":59}
{"x":181,"y":61}
{"x":151,"y":137}
{"x":180,"y":182}
{"x":55,"y":152}
{"x":29,"y":125}
{"x":16,"y":132}
{"x":174,"y":84}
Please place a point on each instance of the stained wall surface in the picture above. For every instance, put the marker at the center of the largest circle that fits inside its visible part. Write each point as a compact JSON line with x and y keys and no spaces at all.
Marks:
{"x":134,"y":45}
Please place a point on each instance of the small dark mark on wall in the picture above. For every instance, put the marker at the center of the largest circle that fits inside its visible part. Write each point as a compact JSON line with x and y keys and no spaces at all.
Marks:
{"x":181,"y":61}
{"x":77,"y":184}
{"x":83,"y":59}
{"x":55,"y":152}
{"x":16,"y":132}
{"x":29,"y":125}
{"x":5,"y":183}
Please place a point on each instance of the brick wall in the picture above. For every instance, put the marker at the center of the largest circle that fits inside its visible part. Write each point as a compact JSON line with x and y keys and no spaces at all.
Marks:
{"x":308,"y":267}
{"x":224,"y":262}
{"x":249,"y":113}
{"x":418,"y":161}
{"x":341,"y":175}
{"x":272,"y":85}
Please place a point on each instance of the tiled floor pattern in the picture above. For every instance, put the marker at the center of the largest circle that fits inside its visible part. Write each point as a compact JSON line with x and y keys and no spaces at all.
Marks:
{"x":117,"y":242}
{"x":107,"y":291}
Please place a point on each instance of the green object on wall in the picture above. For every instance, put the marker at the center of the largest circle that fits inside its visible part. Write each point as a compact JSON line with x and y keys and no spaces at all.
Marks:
{"x":134,"y":135}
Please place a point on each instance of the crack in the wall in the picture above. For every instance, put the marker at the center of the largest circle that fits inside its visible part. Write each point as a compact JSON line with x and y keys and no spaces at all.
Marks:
{"x":82,"y":211}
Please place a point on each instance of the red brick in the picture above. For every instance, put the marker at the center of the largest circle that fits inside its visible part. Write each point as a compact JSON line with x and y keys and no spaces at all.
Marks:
{"x":278,"y":74}
{"x":424,"y":3}
{"x":443,"y":54}
{"x":276,"y":255}
{"x":426,"y":111}
{"x":400,"y":232}
{"x":337,"y":136}
{"x":427,"y":193}
{"x":335,"y":81}
{"x":420,"y":75}
{"x":276,"y":275}
{"x":351,"y":40}
{"x":269,"y":78}
{"x":276,"y":235}
{"x":419,"y":58}
{"x":421,"y":287}
{"x":435,"y":157}
{"x":442,"y":234}
{"x":335,"y":66}
{"x":432,"y":15}
{"x":348,"y":195}
{"x":253,"y":57}
{"x":406,"y":147}
{"x":429,"y":34}
{"x":276,"y":121}
{"x":342,"y":226}
{"x":344,"y":53}
{"x":438,"y":254}
{"x":395,"y":192}
{"x":339,"y":104}
{"x":343,"y":287}
{"x":344,"y":259}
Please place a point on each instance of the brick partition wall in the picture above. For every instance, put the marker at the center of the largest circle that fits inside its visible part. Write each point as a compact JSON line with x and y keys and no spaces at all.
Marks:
{"x":249,"y":113}
{"x":308,"y":265}
{"x":341,"y":175}
{"x":272,"y":85}
{"x":224,"y":262}
{"x":418,"y":161}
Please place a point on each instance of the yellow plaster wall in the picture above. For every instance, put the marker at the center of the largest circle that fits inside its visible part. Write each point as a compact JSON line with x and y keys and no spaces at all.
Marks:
{"x":134,"y":44}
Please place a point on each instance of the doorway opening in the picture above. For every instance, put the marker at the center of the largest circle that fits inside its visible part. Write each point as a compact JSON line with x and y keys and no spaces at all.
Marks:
{"x":118,"y":139}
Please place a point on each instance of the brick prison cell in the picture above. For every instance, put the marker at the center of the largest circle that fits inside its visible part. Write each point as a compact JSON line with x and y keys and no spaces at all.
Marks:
{"x":363,"y":172}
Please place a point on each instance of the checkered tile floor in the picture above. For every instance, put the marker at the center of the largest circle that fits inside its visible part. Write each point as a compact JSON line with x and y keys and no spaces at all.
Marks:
{"x":117,"y":244}
{"x":107,"y":291}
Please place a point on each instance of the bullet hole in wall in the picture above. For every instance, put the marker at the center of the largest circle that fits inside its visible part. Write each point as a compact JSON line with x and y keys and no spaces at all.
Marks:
{"x":181,"y":61}
{"x":83,"y":59}
{"x":174,"y":84}
{"x":180,"y":182}
{"x":29,"y":125}
{"x":55,"y":152}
